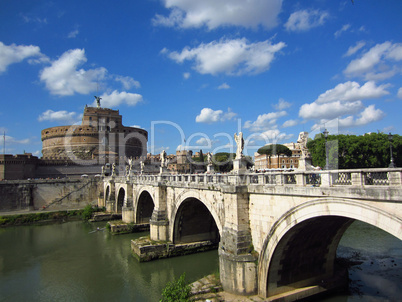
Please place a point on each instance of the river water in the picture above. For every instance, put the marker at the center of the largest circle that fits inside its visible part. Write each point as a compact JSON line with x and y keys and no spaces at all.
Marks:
{"x":74,"y":262}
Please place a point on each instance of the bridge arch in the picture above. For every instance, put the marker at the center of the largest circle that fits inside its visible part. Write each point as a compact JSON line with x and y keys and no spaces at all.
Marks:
{"x":144,"y":207}
{"x":121,"y":198}
{"x":287,"y":251}
{"x":194,"y":219}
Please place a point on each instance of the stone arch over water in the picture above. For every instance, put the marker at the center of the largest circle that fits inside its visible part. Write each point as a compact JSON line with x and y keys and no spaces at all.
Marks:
{"x":193,"y":222}
{"x":300,"y":249}
{"x":145,"y":207}
{"x":121,"y":196}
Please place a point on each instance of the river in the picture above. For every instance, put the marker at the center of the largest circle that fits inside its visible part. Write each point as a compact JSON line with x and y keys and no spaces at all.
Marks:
{"x":74,"y":262}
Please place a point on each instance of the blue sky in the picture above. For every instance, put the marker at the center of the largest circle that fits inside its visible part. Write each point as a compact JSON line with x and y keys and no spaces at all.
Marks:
{"x":192,"y":73}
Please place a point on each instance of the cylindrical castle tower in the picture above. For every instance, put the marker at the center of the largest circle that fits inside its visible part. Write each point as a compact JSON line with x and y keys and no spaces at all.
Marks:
{"x":100,"y":135}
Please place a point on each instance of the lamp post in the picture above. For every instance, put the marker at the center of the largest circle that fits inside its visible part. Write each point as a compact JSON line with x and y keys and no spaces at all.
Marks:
{"x":326,"y":150}
{"x":391,"y":164}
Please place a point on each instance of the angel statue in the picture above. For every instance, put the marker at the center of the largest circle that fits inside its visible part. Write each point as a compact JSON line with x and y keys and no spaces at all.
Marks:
{"x":97,"y":98}
{"x":240,"y":145}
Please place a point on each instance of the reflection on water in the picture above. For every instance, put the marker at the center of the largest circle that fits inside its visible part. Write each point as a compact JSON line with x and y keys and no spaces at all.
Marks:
{"x":70,"y":262}
{"x":67,"y":262}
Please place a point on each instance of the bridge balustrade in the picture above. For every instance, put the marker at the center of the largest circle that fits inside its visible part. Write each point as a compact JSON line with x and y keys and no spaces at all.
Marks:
{"x":357,"y":177}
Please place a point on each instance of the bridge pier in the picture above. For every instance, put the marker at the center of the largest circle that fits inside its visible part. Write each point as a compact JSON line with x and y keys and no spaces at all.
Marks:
{"x":158,"y":226}
{"x":237,"y":258}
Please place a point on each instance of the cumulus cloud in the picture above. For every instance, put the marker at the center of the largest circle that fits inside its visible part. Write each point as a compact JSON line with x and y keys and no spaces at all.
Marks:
{"x":224,"y":86}
{"x":373,"y":63}
{"x":290,"y":123}
{"x":367,"y":116}
{"x":264,"y":121}
{"x":128,"y":82}
{"x":209,"y":116}
{"x":116,"y":98}
{"x":213,"y":14}
{"x":11,"y":54}
{"x":59,"y":116}
{"x":64,"y":78}
{"x":232,"y":57}
{"x":352,"y":91}
{"x":304,"y":20}
{"x":400,"y":93}
{"x":346,"y":100}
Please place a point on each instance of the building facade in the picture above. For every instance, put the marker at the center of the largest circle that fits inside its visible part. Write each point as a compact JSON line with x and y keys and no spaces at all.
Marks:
{"x":278,"y":161}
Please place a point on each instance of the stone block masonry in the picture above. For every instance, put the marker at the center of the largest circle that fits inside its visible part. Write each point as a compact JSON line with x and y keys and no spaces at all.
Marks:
{"x":26,"y":195}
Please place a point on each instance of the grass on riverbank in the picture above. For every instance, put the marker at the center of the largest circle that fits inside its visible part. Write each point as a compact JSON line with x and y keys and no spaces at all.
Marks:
{"x":47,"y":217}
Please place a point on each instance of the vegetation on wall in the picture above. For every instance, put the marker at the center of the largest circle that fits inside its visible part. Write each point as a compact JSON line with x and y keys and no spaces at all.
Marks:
{"x":352,"y":151}
{"x":176,"y":291}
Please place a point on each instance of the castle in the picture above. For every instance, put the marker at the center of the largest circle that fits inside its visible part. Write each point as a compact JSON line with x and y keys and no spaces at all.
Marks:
{"x":101,"y":135}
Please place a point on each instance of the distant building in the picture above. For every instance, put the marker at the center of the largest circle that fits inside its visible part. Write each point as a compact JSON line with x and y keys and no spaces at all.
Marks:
{"x":182,"y":163}
{"x":278,"y":161}
{"x":101,"y":135}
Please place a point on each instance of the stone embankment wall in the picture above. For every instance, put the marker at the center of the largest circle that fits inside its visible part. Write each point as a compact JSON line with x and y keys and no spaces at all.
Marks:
{"x":25,"y":195}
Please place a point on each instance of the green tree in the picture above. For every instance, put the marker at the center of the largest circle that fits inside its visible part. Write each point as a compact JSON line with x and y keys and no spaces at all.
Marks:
{"x":275,"y":149}
{"x":352,"y":152}
{"x":223,"y":161}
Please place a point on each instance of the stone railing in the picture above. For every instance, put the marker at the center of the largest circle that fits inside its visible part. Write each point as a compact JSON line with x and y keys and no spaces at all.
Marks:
{"x":357,"y":177}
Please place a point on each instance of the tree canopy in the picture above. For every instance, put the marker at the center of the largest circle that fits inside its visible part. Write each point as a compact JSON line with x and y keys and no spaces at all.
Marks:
{"x":352,"y":151}
{"x":275,"y":149}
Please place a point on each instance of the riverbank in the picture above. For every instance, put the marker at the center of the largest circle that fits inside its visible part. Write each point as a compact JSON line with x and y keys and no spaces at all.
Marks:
{"x":39,"y":217}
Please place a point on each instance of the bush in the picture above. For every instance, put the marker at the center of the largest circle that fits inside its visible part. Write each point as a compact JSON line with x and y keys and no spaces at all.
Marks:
{"x":176,"y":291}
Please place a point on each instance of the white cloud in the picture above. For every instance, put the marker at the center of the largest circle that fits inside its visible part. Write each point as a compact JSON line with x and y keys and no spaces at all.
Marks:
{"x":282,"y":104}
{"x":400,"y":93}
{"x":213,"y":14}
{"x":64,"y":78}
{"x":304,"y":20}
{"x":367,"y":116}
{"x":344,"y":28}
{"x":353,"y":49}
{"x":375,"y":60}
{"x":116,"y":98}
{"x":11,"y":140}
{"x":186,"y":75}
{"x":232,"y":57}
{"x":264,"y":121}
{"x":224,"y":86}
{"x":59,"y":116}
{"x":10,"y":54}
{"x":209,"y":116}
{"x":290,"y":123}
{"x":329,"y":111}
{"x":352,"y":91}
{"x":346,"y":100}
{"x":128,"y":82}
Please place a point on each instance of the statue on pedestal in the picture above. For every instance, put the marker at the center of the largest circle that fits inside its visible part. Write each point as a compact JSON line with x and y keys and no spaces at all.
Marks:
{"x":240,"y":145}
{"x":163,"y":159}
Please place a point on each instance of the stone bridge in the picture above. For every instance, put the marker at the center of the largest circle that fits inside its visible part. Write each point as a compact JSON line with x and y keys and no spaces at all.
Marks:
{"x":277,"y":232}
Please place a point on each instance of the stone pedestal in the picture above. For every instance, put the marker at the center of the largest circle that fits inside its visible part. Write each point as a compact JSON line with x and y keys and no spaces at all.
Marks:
{"x":210,"y":168}
{"x":239,"y":165}
{"x":304,"y":163}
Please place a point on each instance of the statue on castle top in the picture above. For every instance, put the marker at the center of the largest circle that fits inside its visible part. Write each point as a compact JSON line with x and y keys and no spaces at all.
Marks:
{"x":97,"y":98}
{"x":240,"y":145}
